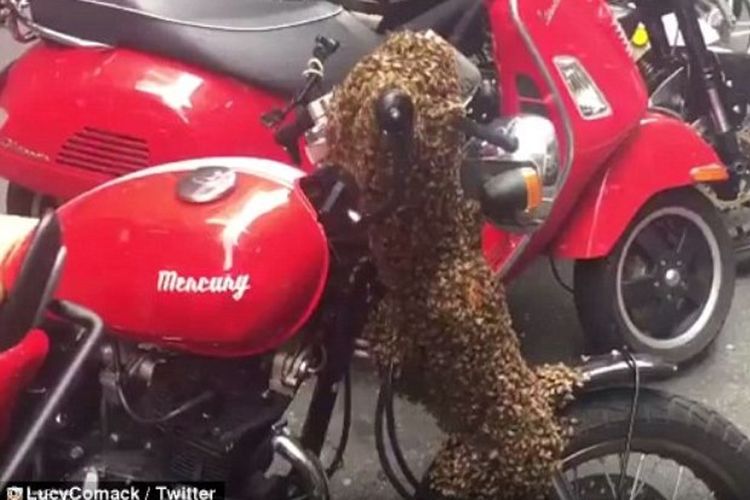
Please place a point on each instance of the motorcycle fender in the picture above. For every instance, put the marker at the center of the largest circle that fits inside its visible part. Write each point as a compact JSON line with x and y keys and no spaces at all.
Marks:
{"x":662,"y":154}
{"x":612,"y":370}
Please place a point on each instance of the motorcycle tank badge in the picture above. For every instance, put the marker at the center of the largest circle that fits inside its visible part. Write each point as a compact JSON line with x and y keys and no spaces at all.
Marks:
{"x":206,"y":184}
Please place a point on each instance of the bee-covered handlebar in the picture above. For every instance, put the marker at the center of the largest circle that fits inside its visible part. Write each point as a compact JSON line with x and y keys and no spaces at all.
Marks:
{"x":394,"y":113}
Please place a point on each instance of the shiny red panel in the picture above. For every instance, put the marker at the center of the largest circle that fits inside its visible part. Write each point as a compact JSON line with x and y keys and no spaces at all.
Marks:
{"x":79,"y":117}
{"x":233,"y":277}
{"x":659,"y":156}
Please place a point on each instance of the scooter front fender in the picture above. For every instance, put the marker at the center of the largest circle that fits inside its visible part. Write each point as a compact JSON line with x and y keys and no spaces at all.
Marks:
{"x":660,"y":155}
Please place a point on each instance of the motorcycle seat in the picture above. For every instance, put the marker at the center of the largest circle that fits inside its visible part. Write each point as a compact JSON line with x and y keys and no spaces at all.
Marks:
{"x":262,"y":42}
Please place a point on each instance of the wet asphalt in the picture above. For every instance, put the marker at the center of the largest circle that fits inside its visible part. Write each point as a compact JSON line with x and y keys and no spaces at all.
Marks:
{"x":545,"y":315}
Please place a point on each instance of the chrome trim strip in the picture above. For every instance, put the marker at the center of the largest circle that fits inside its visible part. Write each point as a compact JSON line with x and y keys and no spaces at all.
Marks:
{"x":63,"y":38}
{"x":50,"y":34}
{"x":567,"y":126}
{"x":157,"y":17}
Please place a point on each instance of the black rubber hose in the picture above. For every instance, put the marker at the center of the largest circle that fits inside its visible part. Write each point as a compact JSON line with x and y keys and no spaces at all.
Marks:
{"x":392,"y":436}
{"x":338,"y":458}
{"x":380,"y":447}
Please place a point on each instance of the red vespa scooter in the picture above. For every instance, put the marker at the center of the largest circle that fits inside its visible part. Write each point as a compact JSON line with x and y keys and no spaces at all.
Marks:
{"x":654,"y":267}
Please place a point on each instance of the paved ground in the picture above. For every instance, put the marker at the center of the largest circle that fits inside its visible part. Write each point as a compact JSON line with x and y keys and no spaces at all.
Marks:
{"x":545,"y":314}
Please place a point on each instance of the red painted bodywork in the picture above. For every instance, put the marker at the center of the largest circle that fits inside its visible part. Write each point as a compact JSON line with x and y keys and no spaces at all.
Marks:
{"x":89,"y":115}
{"x":595,"y":147}
{"x":18,"y":365}
{"x":661,"y":152}
{"x":120,"y":237}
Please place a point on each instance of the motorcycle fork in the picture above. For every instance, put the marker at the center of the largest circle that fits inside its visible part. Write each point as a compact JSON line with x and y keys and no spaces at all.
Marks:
{"x":349,"y":313}
{"x":710,"y":84}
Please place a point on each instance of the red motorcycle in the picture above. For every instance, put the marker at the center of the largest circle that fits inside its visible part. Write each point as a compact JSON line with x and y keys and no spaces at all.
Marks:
{"x":181,"y":364}
{"x":121,"y":84}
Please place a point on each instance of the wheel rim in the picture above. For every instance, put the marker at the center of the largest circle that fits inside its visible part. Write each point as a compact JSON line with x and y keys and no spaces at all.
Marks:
{"x":682,"y":467}
{"x":648,"y":477}
{"x":668,"y":278}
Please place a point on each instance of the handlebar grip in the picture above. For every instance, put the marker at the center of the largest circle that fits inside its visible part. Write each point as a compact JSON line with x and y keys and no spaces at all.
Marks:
{"x":394,"y":112}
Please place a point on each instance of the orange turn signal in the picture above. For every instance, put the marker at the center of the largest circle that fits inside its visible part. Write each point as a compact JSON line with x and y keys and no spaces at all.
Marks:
{"x":533,"y":187}
{"x":710,"y":173}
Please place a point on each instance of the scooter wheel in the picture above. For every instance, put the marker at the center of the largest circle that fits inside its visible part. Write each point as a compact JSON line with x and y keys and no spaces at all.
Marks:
{"x":666,"y":287}
{"x":21,"y":201}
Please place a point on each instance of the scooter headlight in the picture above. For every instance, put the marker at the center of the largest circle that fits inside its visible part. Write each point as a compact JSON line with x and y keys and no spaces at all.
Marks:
{"x":537,"y":148}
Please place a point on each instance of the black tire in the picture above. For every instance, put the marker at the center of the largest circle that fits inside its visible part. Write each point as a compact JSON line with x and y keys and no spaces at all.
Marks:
{"x":598,"y":287}
{"x":669,"y":426}
{"x":22,"y":201}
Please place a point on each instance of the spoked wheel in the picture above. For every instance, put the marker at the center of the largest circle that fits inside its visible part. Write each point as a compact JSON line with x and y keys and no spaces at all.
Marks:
{"x":21,"y":201}
{"x":680,"y":450}
{"x":667,"y":286}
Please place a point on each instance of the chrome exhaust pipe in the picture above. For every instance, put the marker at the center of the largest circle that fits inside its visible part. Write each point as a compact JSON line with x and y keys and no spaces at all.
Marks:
{"x":304,"y":463}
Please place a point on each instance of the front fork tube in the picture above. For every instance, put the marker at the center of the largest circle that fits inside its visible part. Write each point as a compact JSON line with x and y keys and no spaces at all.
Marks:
{"x":349,"y":321}
{"x":711,"y":84}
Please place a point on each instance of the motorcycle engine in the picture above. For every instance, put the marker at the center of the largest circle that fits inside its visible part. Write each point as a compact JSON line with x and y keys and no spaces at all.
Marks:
{"x":167,"y":416}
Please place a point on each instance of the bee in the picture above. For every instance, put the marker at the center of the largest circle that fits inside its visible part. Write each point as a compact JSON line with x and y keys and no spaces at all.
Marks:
{"x":444,"y":321}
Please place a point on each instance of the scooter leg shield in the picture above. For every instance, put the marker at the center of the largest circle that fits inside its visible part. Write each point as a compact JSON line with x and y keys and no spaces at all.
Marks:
{"x":662,"y":154}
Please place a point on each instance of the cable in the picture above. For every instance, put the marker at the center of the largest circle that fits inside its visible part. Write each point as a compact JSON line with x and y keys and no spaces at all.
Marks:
{"x":392,"y":436}
{"x":338,"y":458}
{"x":186,"y":406}
{"x":380,"y":447}
{"x":558,"y":278}
{"x":630,"y":360}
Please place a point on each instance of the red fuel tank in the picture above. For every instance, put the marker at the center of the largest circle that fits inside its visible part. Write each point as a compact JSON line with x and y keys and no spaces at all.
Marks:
{"x":218,"y":256}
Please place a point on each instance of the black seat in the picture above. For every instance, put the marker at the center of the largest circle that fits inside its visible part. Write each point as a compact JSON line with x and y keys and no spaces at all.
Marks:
{"x":264,"y":42}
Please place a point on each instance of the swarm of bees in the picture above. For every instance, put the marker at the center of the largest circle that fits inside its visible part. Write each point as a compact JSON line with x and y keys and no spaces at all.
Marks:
{"x":444,"y":321}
